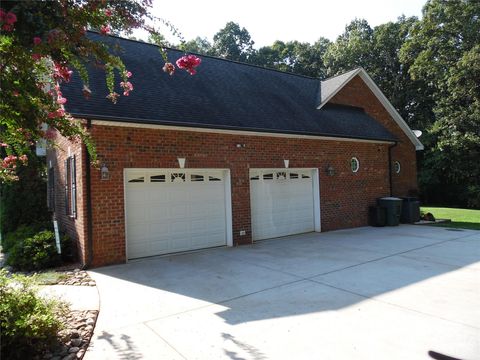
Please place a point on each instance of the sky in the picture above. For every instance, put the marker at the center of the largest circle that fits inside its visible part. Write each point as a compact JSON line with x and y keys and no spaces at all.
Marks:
{"x":270,"y":20}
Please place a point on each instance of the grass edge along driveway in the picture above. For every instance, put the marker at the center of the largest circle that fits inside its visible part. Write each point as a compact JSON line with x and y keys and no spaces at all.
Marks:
{"x":461,"y":218}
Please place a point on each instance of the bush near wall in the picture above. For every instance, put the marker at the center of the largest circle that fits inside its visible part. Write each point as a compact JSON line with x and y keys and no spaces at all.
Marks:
{"x":29,"y":249}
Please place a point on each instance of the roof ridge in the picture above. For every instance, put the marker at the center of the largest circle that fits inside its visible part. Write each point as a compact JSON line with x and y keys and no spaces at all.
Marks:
{"x":209,"y":56}
{"x":344,"y":73}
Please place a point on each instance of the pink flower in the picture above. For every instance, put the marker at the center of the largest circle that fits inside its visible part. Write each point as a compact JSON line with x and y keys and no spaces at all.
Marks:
{"x":113,"y":97}
{"x":127,"y":87}
{"x":169,"y":68}
{"x":105,"y":29}
{"x":128,"y":74}
{"x":61,"y":72}
{"x":56,"y":114}
{"x":23,"y":158}
{"x":37,"y":40}
{"x":36,"y":57}
{"x":2,"y":14}
{"x":61,"y":100}
{"x":7,"y":27}
{"x":189,"y":63}
{"x":10,"y":18}
{"x":108,"y":12}
{"x":9,"y":162}
{"x":4,"y":145}
{"x":51,"y":133}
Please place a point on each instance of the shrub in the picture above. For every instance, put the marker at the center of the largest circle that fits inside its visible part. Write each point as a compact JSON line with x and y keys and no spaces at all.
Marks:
{"x":29,"y":323}
{"x":35,"y":252}
{"x":23,"y":232}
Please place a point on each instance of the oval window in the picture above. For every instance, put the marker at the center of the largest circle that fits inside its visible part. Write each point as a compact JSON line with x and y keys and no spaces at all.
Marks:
{"x":354,"y":164}
{"x":397,"y":167}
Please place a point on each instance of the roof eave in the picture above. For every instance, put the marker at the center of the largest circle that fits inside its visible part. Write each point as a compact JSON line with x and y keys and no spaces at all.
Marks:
{"x":224,"y":127}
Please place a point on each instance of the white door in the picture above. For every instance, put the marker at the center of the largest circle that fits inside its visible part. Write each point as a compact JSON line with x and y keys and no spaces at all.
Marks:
{"x":173,"y":210}
{"x":282,"y":202}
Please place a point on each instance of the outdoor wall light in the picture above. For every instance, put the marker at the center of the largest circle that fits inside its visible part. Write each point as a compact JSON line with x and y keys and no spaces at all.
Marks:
{"x":181,"y":162}
{"x":104,"y":172}
{"x":330,"y":170}
{"x":286,"y":162}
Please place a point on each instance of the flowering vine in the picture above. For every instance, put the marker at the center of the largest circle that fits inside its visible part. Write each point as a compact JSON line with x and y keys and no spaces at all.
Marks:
{"x":41,"y":44}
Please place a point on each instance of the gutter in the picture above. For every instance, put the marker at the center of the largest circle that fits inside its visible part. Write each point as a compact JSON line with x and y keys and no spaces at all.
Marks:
{"x":89,"y":203}
{"x":189,"y":125}
{"x":390,"y":166}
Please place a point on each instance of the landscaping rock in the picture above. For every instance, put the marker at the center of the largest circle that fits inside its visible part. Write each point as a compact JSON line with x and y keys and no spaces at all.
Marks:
{"x":73,"y":349}
{"x":76,"y":342}
{"x":75,"y":339}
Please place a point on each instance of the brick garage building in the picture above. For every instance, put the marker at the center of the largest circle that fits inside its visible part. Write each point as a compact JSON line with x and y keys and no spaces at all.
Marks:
{"x":264,"y":153}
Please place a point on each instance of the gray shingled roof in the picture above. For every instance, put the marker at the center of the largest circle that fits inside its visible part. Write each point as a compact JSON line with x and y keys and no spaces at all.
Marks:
{"x":223,"y":95}
{"x":329,"y":87}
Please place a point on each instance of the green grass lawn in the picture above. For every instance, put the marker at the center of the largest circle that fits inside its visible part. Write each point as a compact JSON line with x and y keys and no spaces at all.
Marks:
{"x":461,"y":218}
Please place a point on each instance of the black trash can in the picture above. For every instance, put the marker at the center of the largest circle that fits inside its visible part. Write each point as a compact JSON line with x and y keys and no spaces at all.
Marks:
{"x":377,"y":216}
{"x":393,"y":206}
{"x":410,"y":210}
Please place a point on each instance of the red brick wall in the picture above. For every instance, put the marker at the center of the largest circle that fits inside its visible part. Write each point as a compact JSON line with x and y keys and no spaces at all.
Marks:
{"x":75,"y":228}
{"x":345,"y":197}
{"x":357,"y":93}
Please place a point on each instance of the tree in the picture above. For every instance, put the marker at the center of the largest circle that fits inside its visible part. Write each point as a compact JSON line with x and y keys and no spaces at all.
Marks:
{"x":445,"y":50}
{"x":233,"y":43}
{"x":352,"y":49}
{"x":40,"y":43}
{"x":200,"y":46}
{"x":294,"y":56}
{"x":412,"y":98}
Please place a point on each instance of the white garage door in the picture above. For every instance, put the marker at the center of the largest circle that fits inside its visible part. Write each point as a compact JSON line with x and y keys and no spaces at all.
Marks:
{"x":175,"y":210}
{"x":282,"y":202}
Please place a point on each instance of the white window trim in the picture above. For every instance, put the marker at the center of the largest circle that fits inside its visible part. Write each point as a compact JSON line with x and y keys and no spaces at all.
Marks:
{"x":358,"y":164}
{"x":395,"y":163}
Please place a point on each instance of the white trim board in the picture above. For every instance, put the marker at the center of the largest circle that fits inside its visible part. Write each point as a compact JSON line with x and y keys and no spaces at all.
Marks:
{"x":383,"y":100}
{"x":232,"y":132}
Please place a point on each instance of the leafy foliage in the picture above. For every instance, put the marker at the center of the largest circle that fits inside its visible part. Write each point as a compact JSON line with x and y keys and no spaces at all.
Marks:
{"x":29,"y":322}
{"x":34,"y":252}
{"x":23,"y":202}
{"x":233,"y":43}
{"x":444,"y":52}
{"x":40,"y":42}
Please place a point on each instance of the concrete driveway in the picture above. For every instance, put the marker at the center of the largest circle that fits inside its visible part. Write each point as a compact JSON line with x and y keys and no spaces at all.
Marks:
{"x":367,"y":293}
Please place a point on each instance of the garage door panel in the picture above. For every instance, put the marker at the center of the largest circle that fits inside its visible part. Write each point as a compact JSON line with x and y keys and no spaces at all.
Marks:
{"x":281,"y":205}
{"x":165,"y":216}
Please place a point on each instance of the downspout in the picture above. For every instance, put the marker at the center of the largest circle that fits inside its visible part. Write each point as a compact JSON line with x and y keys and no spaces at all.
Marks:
{"x":89,"y":203}
{"x":390,"y":166}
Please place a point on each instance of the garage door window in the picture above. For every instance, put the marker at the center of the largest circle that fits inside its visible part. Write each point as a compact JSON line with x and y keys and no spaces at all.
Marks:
{"x":195,"y":177}
{"x":137,"y":179}
{"x":157,"y":178}
{"x":177,"y":177}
